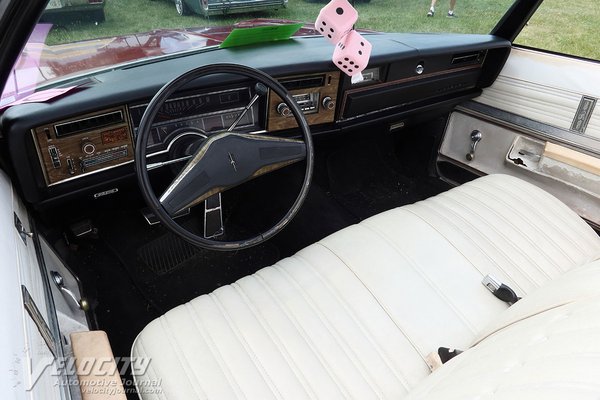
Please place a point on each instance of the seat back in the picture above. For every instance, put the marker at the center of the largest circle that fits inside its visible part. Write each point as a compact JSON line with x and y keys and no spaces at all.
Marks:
{"x":544,"y":347}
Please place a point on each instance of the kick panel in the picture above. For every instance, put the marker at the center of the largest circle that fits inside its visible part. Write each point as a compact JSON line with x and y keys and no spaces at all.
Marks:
{"x":76,"y":147}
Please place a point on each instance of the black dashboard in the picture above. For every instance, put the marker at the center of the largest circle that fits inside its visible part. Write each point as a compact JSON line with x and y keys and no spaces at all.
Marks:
{"x":82,"y":144}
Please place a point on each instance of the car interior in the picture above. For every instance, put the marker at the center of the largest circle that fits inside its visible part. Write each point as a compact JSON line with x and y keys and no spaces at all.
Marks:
{"x":258,"y":225}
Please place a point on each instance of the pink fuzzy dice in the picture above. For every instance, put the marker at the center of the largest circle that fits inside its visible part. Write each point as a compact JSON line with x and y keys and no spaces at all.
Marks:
{"x":352,"y":53}
{"x":336,"y":19}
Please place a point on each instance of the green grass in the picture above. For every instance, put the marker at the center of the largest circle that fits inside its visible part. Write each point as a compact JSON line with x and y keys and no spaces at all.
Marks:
{"x":128,"y":16}
{"x":570,"y":27}
{"x":552,"y":27}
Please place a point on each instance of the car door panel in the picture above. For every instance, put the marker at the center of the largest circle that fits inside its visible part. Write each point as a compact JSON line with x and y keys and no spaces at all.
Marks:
{"x":547,"y":88}
{"x":538,"y":122}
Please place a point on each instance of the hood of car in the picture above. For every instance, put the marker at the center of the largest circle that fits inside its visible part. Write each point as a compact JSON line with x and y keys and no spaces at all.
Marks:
{"x":64,"y":60}
{"x":40,"y":63}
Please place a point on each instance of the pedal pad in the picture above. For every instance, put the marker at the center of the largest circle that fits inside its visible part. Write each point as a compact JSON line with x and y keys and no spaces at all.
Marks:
{"x":82,"y":228}
{"x":152,"y":219}
{"x":213,"y":217}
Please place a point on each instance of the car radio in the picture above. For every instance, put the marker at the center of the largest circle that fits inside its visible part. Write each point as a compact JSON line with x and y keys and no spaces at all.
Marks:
{"x":72,"y":148}
{"x":315,"y":95}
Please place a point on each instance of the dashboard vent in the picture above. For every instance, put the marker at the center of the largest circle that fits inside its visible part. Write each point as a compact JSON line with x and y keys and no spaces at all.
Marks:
{"x":468,"y":58}
{"x":88,"y":124}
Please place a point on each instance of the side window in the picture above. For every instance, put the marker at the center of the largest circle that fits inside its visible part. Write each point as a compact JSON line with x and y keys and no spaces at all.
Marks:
{"x":569,"y":27}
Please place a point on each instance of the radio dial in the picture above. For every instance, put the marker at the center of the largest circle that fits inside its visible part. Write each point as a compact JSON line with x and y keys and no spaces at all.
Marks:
{"x":88,"y":148}
{"x":328,"y":103}
{"x":284,"y":110}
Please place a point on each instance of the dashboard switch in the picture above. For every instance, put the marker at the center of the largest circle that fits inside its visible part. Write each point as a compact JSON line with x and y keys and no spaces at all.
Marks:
{"x":70,"y":166}
{"x":88,"y":148}
{"x":54,"y":156}
{"x":284,"y":110}
{"x":328,"y":103}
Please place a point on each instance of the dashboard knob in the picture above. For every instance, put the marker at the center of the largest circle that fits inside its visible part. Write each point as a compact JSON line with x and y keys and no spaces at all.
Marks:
{"x":284,"y":110}
{"x":88,"y":148}
{"x":328,"y":103}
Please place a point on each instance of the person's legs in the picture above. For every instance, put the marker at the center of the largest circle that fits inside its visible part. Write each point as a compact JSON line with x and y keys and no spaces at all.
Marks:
{"x":451,"y":10}
{"x":432,"y":8}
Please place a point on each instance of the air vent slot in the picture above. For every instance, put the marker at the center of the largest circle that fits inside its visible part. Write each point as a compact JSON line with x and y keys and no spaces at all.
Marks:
{"x":468,"y":58}
{"x":89,"y":124}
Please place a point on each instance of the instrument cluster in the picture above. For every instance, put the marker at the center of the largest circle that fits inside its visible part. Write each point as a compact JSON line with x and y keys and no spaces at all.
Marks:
{"x":206,"y":113}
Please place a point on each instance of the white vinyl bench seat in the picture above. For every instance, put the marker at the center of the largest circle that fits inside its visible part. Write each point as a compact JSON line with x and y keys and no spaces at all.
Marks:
{"x":355,"y":315}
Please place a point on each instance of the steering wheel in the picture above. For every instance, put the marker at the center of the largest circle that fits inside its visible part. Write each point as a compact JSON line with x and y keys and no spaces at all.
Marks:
{"x":224,"y":160}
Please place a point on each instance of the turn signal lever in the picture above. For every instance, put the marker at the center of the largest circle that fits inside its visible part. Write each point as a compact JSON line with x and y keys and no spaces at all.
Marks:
{"x":476,"y":137}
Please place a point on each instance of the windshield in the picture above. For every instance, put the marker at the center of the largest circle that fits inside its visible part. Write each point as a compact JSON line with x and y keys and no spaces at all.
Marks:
{"x":75,"y":37}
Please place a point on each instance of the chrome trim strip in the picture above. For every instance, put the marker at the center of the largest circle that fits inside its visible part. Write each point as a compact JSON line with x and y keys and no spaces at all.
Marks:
{"x":528,"y":126}
{"x":51,"y":307}
{"x":36,"y":316}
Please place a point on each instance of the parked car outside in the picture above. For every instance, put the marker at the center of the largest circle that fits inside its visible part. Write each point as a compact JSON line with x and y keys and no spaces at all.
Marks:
{"x":74,"y":9}
{"x":220,"y":7}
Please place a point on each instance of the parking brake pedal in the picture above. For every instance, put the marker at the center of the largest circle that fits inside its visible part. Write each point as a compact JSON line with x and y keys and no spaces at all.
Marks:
{"x":82,"y":228}
{"x":213,"y":217}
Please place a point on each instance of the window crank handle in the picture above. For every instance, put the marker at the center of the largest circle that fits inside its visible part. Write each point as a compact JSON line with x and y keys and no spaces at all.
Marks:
{"x":476,"y":137}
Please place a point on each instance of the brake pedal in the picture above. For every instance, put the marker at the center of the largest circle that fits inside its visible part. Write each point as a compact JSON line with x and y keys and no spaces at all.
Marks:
{"x":152,"y":219}
{"x":213,"y":217}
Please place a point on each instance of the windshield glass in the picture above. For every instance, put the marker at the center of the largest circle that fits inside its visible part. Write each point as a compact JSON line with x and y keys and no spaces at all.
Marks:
{"x":75,"y":37}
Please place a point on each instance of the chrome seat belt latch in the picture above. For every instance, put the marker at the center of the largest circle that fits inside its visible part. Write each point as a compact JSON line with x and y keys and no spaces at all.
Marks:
{"x":500,"y":290}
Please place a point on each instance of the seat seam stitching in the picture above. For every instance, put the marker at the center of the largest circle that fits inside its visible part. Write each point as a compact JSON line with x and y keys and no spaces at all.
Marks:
{"x":339,"y":297}
{"x":469,"y":238}
{"x":383,"y":307}
{"x":419,"y":271}
{"x":214,"y":350}
{"x":475,"y":242}
{"x":275,"y":339}
{"x":159,"y":393}
{"x":559,"y":212}
{"x":504,"y":237}
{"x":182,"y":358}
{"x":289,"y":315}
{"x":532,"y":223}
{"x":332,"y":332}
{"x":525,"y":235}
{"x":244,"y":343}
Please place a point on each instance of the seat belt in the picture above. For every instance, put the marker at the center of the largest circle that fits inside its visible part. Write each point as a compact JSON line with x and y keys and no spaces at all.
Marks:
{"x":500,"y":290}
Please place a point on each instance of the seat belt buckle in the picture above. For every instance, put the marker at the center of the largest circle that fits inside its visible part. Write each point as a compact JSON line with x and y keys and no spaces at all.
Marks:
{"x":491,"y":283}
{"x":500,"y":290}
{"x":440,"y":357}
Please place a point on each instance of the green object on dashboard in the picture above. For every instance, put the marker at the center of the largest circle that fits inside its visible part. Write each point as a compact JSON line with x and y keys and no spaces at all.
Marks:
{"x":260,"y":34}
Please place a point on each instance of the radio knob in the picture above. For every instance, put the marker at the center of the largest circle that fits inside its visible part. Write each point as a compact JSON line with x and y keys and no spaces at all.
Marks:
{"x":284,"y":110}
{"x":328,"y":103}
{"x":88,"y":148}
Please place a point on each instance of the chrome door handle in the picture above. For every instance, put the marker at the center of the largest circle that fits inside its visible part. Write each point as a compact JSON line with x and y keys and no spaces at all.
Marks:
{"x":476,"y":137}
{"x":60,"y":283}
